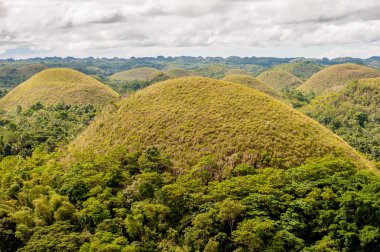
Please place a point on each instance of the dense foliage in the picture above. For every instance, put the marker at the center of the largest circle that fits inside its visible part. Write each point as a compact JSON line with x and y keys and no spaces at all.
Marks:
{"x":353,"y":113}
{"x":22,"y":131}
{"x":139,"y":202}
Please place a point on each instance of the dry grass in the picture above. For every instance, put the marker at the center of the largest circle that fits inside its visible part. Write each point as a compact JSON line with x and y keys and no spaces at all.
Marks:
{"x":300,"y":69}
{"x":236,"y":71}
{"x":336,"y":77}
{"x":279,"y":80}
{"x":141,"y":74}
{"x":57,"y":85}
{"x":254,"y":83}
{"x":190,"y":117}
{"x":178,"y":73}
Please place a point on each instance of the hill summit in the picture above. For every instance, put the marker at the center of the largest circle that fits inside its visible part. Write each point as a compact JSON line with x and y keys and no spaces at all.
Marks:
{"x":57,"y":85}
{"x":336,"y":77}
{"x":191,"y":117}
{"x":252,"y":82}
{"x":140,"y":74}
{"x":279,"y":79}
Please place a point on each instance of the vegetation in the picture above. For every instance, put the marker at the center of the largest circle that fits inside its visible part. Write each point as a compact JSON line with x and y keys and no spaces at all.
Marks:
{"x":178,"y":73}
{"x":41,"y":127}
{"x":211,"y":71}
{"x":12,"y":75}
{"x":237,"y":72}
{"x":353,"y":113}
{"x":188,"y":164}
{"x":137,"y":74}
{"x":53,"y":86}
{"x":334,"y":78}
{"x":297,"y":98}
{"x":191,"y":117}
{"x":253,"y":83}
{"x":300,"y":69}
{"x":279,"y":80}
{"x":136,"y":201}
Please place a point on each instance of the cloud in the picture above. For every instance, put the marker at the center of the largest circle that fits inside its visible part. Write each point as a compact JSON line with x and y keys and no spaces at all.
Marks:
{"x":94,"y":26}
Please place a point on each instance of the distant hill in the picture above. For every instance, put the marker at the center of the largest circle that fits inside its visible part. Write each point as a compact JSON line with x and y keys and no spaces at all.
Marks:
{"x":191,"y":117}
{"x":178,"y":72}
{"x":300,"y":69}
{"x":336,"y":77}
{"x":11,"y":76}
{"x":353,"y":113}
{"x":57,"y":85}
{"x":235,"y":71}
{"x":279,"y":79}
{"x":211,"y":71}
{"x":140,"y":74}
{"x":252,"y":82}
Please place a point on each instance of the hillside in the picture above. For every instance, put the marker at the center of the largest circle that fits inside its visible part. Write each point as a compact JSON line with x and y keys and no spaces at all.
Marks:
{"x":10,"y":76}
{"x":279,"y":80}
{"x":334,"y":78}
{"x":139,"y":74}
{"x":238,"y":71}
{"x":191,"y":117}
{"x":300,"y":69}
{"x":178,"y":72}
{"x":353,"y":113}
{"x":58,"y":85}
{"x":253,"y":83}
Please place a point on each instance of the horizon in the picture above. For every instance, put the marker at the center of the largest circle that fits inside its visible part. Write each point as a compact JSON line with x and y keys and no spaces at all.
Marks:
{"x":188,"y":56}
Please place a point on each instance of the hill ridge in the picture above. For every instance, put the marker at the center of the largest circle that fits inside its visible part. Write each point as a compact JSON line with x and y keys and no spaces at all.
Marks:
{"x":194,"y":116}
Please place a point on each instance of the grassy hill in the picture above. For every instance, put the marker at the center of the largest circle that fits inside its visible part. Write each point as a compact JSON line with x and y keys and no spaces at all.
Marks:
{"x":236,"y":71}
{"x":57,"y":85}
{"x":10,"y":76}
{"x":191,"y":117}
{"x":300,"y":69}
{"x":253,"y":83}
{"x":334,"y":78}
{"x":178,"y":72}
{"x":140,"y":74}
{"x":279,"y":79}
{"x":353,"y":113}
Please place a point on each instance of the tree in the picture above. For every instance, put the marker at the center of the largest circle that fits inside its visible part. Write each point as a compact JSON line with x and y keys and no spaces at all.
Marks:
{"x":229,"y":210}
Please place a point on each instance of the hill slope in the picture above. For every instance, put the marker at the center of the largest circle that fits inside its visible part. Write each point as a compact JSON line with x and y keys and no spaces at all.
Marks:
{"x":253,"y":83}
{"x":279,"y":79}
{"x":57,"y":85}
{"x":190,"y":117}
{"x":140,"y":74}
{"x":178,"y":72}
{"x":334,"y":78}
{"x":300,"y":69}
{"x":353,"y":113}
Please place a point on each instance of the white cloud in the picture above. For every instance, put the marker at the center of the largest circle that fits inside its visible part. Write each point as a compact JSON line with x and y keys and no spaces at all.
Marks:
{"x":97,"y":27}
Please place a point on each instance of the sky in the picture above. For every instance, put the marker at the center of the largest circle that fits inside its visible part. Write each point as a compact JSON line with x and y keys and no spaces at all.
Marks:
{"x":126,"y":28}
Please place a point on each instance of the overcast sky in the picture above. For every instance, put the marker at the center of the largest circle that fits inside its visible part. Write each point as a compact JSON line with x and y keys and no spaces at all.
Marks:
{"x":125,"y":28}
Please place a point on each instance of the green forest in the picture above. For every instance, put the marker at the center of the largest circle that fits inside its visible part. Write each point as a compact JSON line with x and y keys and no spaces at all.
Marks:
{"x":198,"y":156}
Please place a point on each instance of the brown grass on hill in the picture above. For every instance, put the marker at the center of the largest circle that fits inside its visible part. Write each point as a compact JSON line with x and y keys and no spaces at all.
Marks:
{"x":190,"y":117}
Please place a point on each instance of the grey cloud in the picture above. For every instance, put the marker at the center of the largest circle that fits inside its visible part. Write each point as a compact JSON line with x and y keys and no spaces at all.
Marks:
{"x":96,"y":25}
{"x":3,"y":11}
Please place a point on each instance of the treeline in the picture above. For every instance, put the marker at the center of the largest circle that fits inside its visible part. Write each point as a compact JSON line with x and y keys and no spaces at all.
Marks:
{"x":137,"y":201}
{"x":47,"y":127}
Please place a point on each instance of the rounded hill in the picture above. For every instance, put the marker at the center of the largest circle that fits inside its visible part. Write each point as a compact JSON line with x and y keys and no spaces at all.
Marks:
{"x":140,"y":74}
{"x":178,"y":73}
{"x":353,"y":113}
{"x":252,"y":82}
{"x":57,"y":85}
{"x":279,"y":79}
{"x":300,"y":69}
{"x":188,"y":118}
{"x":334,"y":78}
